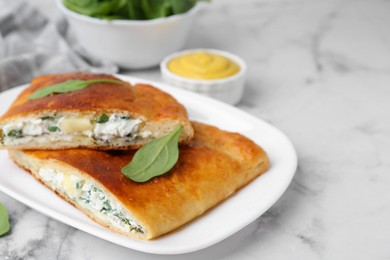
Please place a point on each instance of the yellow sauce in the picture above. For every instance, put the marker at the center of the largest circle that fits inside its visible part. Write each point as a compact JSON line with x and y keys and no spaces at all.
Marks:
{"x":203,"y":65}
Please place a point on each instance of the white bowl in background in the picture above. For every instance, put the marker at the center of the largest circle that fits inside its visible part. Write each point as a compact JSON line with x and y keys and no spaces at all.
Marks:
{"x":228,"y":90}
{"x":131,"y":44}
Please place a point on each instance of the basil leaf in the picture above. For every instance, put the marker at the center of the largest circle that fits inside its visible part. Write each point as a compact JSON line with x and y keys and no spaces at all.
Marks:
{"x":134,"y":10}
{"x":156,"y":8}
{"x":103,"y":118}
{"x":69,"y":86}
{"x":182,"y":6}
{"x":4,"y":220}
{"x":130,"y":9}
{"x":95,"y":8}
{"x":154,"y":158}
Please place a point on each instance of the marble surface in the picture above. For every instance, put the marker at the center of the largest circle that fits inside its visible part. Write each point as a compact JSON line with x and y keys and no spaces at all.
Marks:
{"x":320,"y":72}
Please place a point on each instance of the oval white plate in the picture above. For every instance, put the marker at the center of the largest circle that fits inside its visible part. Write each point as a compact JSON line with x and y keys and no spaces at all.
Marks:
{"x":217,"y":224}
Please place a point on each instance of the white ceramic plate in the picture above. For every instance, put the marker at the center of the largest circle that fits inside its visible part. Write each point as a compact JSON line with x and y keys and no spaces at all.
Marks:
{"x":217,"y":224}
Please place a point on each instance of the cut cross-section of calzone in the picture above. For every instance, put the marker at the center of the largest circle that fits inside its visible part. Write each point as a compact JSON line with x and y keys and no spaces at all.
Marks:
{"x":210,"y":168}
{"x":84,"y":110}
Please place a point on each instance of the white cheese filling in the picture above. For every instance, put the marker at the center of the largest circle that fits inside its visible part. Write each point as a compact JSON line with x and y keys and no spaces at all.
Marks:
{"x":63,"y":129}
{"x":33,"y":127}
{"x":116,"y":126}
{"x":89,"y":196}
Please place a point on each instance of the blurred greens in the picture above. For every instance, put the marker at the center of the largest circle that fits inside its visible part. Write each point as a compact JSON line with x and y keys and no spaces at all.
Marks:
{"x":130,"y":9}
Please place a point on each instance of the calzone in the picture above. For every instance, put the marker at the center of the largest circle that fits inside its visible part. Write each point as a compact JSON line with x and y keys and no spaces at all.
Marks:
{"x":107,"y":114}
{"x":212,"y":167}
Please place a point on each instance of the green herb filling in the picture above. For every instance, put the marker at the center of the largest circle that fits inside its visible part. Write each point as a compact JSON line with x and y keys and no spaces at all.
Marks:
{"x":53,"y":129}
{"x":103,"y":118}
{"x":15,"y":133}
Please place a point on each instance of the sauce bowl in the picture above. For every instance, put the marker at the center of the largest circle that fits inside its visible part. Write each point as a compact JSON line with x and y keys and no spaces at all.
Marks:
{"x":228,"y":90}
{"x":131,"y":44}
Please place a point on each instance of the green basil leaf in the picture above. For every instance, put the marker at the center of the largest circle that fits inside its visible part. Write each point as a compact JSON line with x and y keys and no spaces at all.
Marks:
{"x":69,"y":86}
{"x":134,"y":10}
{"x":4,"y":220}
{"x":156,"y":8}
{"x":103,"y":118}
{"x":96,"y":8}
{"x":182,"y":6}
{"x":154,"y":158}
{"x":130,"y":9}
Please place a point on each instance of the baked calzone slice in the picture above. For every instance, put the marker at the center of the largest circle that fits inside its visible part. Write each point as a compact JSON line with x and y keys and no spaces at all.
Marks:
{"x":55,"y":112}
{"x":212,"y":167}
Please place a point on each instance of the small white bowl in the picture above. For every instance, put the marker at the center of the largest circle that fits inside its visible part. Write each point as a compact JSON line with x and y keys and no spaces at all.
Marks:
{"x":228,"y":90}
{"x":131,"y":44}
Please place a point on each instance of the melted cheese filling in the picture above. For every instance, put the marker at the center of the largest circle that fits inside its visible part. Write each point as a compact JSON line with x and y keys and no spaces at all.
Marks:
{"x":69,"y":125}
{"x":89,"y":196}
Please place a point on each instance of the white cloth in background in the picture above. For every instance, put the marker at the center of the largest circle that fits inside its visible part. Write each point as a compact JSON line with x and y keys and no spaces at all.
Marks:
{"x":32,"y":45}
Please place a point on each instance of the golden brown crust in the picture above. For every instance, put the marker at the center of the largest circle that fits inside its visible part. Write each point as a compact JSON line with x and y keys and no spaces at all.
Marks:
{"x":141,"y":99}
{"x":210,"y":168}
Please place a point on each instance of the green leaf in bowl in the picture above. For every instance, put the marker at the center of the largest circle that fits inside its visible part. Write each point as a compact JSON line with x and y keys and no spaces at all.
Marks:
{"x":130,"y":9}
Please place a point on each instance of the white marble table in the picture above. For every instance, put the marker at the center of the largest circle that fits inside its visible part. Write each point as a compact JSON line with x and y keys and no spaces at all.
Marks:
{"x":320,"y":72}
